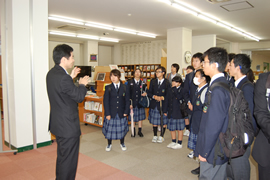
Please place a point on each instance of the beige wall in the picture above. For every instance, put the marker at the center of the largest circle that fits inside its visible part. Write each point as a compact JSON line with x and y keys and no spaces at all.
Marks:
{"x":258,"y":59}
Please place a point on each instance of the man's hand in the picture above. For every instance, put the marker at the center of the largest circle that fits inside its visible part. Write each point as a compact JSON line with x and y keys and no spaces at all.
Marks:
{"x":131,"y":107}
{"x":165,"y":114}
{"x":190,"y":106}
{"x":202,"y":159}
{"x":144,"y":94}
{"x":125,"y":115}
{"x":75,"y":72}
{"x":108,"y":117}
{"x":84,"y":80}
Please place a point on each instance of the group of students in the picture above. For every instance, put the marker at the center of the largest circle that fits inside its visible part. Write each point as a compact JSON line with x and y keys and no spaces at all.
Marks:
{"x":206,"y":120}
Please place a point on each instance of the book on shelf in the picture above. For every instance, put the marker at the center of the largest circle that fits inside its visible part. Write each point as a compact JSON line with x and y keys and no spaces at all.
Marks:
{"x":145,"y":68}
{"x":148,"y":68}
{"x":85,"y":116}
{"x":148,"y":74}
{"x":152,"y":67}
{"x":144,"y":74}
{"x":126,"y":74}
{"x":137,"y":67}
{"x":126,"y":68}
{"x":144,"y":80}
{"x":129,"y":74}
{"x":100,"y":108}
{"x":152,"y":74}
{"x":123,"y":68}
{"x":96,"y":106}
{"x":96,"y":120}
{"x":141,"y":68}
{"x":100,"y":120}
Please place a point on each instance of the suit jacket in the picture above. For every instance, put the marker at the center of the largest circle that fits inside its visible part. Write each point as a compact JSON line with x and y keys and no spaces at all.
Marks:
{"x":64,"y":97}
{"x":261,"y":146}
{"x":158,"y":91}
{"x":116,"y":102}
{"x":189,"y":89}
{"x":248,"y":91}
{"x":170,"y":78}
{"x":135,"y":92}
{"x":173,"y":107}
{"x":213,"y":122}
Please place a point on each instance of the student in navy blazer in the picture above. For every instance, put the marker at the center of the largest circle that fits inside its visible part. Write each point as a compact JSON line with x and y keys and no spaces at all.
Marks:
{"x":239,"y":168}
{"x":227,"y":72}
{"x":116,"y":105}
{"x":158,"y":91}
{"x":261,"y":146}
{"x":176,"y":120}
{"x":190,"y":87}
{"x":214,"y":118}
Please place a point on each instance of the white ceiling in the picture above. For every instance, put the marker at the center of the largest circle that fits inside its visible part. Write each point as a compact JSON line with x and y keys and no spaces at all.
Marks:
{"x":156,"y":17}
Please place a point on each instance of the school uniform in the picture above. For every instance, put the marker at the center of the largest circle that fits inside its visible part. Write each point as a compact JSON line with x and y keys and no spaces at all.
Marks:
{"x":239,"y":168}
{"x":198,"y":104}
{"x":176,"y":121}
{"x":158,"y":88}
{"x":116,"y":104}
{"x":170,"y":76}
{"x":136,"y":89}
{"x":214,"y":121}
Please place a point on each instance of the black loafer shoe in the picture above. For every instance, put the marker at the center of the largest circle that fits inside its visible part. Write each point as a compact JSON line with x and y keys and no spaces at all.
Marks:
{"x":196,"y":171}
{"x":140,"y":134}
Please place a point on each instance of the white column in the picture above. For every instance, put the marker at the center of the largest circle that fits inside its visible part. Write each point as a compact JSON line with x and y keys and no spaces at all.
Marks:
{"x":179,"y":40}
{"x":202,"y":43}
{"x":17,"y":17}
{"x":117,"y":58}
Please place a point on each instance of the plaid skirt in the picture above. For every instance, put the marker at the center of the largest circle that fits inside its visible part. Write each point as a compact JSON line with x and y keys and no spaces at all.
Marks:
{"x":115,"y":128}
{"x":192,"y":140}
{"x":176,"y":124}
{"x":139,"y":114}
{"x":154,"y":117}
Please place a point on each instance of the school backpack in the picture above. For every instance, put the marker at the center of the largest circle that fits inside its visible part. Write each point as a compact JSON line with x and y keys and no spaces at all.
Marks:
{"x":240,"y":132}
{"x":267,"y":87}
{"x":183,"y":105}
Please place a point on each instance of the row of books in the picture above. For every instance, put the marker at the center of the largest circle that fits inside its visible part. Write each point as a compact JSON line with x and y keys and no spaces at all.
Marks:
{"x":92,"y":118}
{"x":141,"y":67}
{"x":93,"y":106}
{"x":144,"y":74}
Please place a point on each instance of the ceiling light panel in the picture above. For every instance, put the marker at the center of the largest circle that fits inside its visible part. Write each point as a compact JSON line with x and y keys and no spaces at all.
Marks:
{"x":62,"y":34}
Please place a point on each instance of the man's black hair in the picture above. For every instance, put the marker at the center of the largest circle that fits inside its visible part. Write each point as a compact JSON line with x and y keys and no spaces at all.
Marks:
{"x":176,"y":66}
{"x":207,"y":78}
{"x":61,"y":50}
{"x":191,"y":67}
{"x":243,"y":61}
{"x":198,"y":55}
{"x":231,"y":56}
{"x":177,"y":79}
{"x":217,"y":55}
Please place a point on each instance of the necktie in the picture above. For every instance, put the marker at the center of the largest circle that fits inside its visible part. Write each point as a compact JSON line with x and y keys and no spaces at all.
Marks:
{"x":117,"y":88}
{"x":137,"y":83}
{"x":158,"y":84}
{"x":196,"y":93}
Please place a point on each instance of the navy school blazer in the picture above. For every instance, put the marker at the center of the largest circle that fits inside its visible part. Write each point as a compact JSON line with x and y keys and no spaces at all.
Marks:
{"x":214,"y":121}
{"x":161,"y":91}
{"x":116,"y":102}
{"x":248,"y":90}
{"x":173,"y":107}
{"x":135,"y":92}
{"x":189,"y":88}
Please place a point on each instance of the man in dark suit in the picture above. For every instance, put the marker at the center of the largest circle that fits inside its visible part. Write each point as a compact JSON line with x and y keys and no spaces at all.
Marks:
{"x":261,"y":146}
{"x":239,"y":168}
{"x":214,"y":117}
{"x":64,"y":123}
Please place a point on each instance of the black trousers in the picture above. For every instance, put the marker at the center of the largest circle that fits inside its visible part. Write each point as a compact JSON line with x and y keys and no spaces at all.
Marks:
{"x":67,"y":157}
{"x":264,"y":172}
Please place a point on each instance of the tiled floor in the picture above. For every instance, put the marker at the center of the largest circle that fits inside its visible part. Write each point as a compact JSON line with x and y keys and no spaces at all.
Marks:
{"x":143,"y":159}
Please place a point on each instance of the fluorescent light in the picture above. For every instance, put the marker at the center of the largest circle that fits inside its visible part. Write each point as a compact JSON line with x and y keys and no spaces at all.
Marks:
{"x":99,"y":26}
{"x":88,"y":36}
{"x":146,"y":34}
{"x":237,"y":31}
{"x":109,"y":39}
{"x":184,"y":9}
{"x":224,"y":25}
{"x":68,"y":20}
{"x":187,"y":5}
{"x":125,"y":30}
{"x":207,"y":18}
{"x":166,"y":1}
{"x":62,"y":34}
{"x":250,"y":37}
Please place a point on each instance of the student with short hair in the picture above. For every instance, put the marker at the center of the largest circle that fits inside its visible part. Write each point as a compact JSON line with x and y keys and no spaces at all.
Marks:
{"x":201,"y":80}
{"x":227,"y":73}
{"x":190,"y":87}
{"x":137,"y":89}
{"x":116,"y":106}
{"x":175,"y":120}
{"x":174,"y":72}
{"x":215,"y":117}
{"x":239,"y":168}
{"x":158,"y":91}
{"x":190,"y":69}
